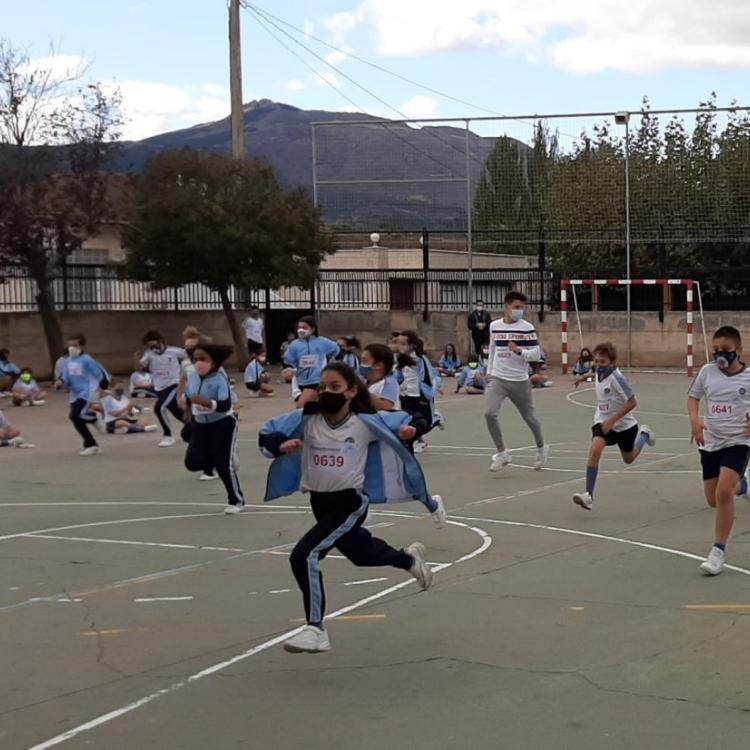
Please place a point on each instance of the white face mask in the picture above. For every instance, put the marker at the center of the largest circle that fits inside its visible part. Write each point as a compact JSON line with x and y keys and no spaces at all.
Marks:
{"x":74,"y":351}
{"x":303,"y":333}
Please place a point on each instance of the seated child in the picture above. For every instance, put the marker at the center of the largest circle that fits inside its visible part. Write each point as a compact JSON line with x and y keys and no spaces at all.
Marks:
{"x":473,"y":378}
{"x":449,"y":365}
{"x":26,"y":391}
{"x":142,"y":385}
{"x":10,"y":436}
{"x":8,"y":373}
{"x":585,"y":364}
{"x":256,"y":377}
{"x":120,"y":414}
{"x":538,"y":373}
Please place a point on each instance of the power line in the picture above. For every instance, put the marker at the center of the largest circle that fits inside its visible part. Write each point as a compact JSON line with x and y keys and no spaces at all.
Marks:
{"x":345,"y":96}
{"x":382,"y":69}
{"x":429,"y":132}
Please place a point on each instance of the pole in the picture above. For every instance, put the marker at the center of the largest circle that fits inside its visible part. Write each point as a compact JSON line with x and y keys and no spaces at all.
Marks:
{"x":469,"y":239}
{"x":425,"y":241}
{"x":235,"y":80}
{"x":627,"y":236}
{"x":315,"y":165}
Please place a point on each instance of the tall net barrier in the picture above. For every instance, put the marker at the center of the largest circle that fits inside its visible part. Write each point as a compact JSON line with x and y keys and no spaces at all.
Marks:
{"x":578,"y":190}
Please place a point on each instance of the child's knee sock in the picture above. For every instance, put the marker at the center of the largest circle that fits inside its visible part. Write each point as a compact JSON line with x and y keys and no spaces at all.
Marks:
{"x":591,"y":473}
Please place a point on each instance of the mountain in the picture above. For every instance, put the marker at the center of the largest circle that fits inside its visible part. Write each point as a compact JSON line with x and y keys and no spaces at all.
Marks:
{"x":419,"y":173}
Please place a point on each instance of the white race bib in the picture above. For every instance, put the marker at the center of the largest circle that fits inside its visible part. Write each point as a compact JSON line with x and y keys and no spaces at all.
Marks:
{"x":720,"y":409}
{"x":198,"y":410}
{"x":308,"y":361}
{"x":75,"y":368}
{"x":603,"y":407}
{"x":328,"y":459}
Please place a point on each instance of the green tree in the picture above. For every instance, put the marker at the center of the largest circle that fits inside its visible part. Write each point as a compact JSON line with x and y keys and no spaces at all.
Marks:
{"x":56,"y":140}
{"x":205,"y":218}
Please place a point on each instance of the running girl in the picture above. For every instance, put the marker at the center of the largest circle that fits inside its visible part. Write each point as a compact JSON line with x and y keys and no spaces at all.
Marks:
{"x":346,"y":456}
{"x":82,"y":377}
{"x":307,"y":356}
{"x":723,"y":435}
{"x":376,"y":369}
{"x":349,"y":349}
{"x":614,"y":423}
{"x":165,"y":365}
{"x":212,"y":429}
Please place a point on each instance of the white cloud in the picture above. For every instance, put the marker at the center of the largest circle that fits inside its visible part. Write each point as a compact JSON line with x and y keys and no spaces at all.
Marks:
{"x":151,"y":107}
{"x":581,"y":36}
{"x":421,"y":107}
{"x":62,"y":67}
{"x":336,"y":56}
{"x":309,"y":28}
{"x":294,"y":84}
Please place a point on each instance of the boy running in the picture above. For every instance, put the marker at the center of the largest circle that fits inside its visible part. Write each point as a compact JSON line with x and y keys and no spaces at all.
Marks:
{"x":723,"y":435}
{"x":614,"y":423}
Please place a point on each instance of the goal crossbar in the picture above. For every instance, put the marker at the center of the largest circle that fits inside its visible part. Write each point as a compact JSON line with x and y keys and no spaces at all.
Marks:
{"x":566,"y":284}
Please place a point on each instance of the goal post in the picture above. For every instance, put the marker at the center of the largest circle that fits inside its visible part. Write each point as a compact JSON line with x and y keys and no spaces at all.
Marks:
{"x":571,"y":284}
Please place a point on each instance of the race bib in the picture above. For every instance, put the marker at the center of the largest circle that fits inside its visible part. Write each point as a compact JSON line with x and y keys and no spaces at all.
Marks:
{"x":603,"y":407}
{"x":328,"y":459}
{"x":720,"y":409}
{"x":198,"y":410}
{"x":75,"y":368}
{"x":308,"y":361}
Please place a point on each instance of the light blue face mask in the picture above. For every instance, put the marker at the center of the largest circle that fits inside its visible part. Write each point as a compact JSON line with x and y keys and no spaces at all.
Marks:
{"x":365,"y":371}
{"x":604,"y":371}
{"x":516,"y":315}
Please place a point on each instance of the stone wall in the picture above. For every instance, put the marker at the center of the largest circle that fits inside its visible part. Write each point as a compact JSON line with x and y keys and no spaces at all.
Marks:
{"x":114,"y":336}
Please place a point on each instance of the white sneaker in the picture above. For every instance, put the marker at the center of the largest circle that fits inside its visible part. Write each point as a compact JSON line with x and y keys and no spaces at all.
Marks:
{"x":208,"y":477}
{"x":439,"y":516}
{"x":420,"y":445}
{"x":233,"y":510}
{"x":150,"y":428}
{"x":310,"y":640}
{"x":39,"y":402}
{"x":439,"y":421}
{"x":420,"y":569}
{"x":646,"y":430}
{"x":94,"y":450}
{"x":167,"y":442}
{"x":714,"y":564}
{"x":542,"y":455}
{"x":583,"y":499}
{"x":500,"y":461}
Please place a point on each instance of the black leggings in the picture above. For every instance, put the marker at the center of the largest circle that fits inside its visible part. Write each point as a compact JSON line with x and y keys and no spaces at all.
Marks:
{"x":339,"y":517}
{"x":166,"y":401}
{"x":211,"y":447}
{"x":81,"y":418}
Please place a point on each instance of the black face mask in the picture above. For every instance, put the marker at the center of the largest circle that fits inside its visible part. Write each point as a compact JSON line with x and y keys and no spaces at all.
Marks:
{"x":331,"y":403}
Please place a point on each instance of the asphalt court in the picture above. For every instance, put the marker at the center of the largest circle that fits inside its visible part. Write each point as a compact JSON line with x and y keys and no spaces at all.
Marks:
{"x":135,"y":615}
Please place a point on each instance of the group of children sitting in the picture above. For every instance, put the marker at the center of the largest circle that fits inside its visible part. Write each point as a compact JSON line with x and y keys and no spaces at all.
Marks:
{"x":18,"y":385}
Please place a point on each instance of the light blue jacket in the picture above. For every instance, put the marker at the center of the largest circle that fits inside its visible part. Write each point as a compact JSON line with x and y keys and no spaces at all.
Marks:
{"x":215,"y":387}
{"x":309,"y":357}
{"x":83,"y":376}
{"x":392,"y":474}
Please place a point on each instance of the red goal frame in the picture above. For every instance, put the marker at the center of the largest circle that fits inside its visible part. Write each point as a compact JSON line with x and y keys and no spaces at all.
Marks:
{"x":566,"y":284}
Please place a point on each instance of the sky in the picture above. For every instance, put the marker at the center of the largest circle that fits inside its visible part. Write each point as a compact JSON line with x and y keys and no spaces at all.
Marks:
{"x":513,"y":57}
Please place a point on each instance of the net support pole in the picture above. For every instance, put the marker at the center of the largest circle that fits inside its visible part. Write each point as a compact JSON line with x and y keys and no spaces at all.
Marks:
{"x":689,"y":327}
{"x":469,"y":238}
{"x":564,"y":324}
{"x":703,"y":319}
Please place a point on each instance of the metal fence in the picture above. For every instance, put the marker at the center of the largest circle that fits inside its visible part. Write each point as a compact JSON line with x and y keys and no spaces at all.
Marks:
{"x":99,"y":287}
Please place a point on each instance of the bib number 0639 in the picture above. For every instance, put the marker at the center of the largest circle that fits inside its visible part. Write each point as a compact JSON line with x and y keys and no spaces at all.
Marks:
{"x":327,"y":461}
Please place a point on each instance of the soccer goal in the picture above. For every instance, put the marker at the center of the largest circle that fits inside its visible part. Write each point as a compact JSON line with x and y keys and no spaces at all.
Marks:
{"x":692,"y":287}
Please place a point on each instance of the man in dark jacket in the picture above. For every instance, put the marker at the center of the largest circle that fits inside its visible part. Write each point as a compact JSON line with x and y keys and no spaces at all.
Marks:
{"x":479,"y":325}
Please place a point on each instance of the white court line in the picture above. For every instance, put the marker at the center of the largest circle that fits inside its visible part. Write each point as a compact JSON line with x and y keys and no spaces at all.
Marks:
{"x":279,"y":591}
{"x":128,"y":708}
{"x":569,"y":398}
{"x":602,"y":537}
{"x":144,"y":599}
{"x":128,"y":541}
{"x":366,"y":580}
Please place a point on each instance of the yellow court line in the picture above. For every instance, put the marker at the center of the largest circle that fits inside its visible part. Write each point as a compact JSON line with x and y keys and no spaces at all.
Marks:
{"x":113,"y":631}
{"x":717,"y":606}
{"x":349,"y":618}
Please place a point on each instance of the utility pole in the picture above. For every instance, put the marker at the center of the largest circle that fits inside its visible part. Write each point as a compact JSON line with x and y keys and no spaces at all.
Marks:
{"x":235,"y":80}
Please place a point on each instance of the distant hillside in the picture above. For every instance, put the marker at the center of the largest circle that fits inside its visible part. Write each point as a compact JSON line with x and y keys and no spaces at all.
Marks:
{"x":282,"y":135}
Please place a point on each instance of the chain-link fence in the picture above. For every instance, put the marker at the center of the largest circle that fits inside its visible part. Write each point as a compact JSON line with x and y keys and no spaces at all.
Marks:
{"x":647,"y":192}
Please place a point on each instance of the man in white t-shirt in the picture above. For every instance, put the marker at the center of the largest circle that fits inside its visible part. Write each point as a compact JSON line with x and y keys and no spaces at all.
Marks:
{"x":513,"y":345}
{"x":253,"y":327}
